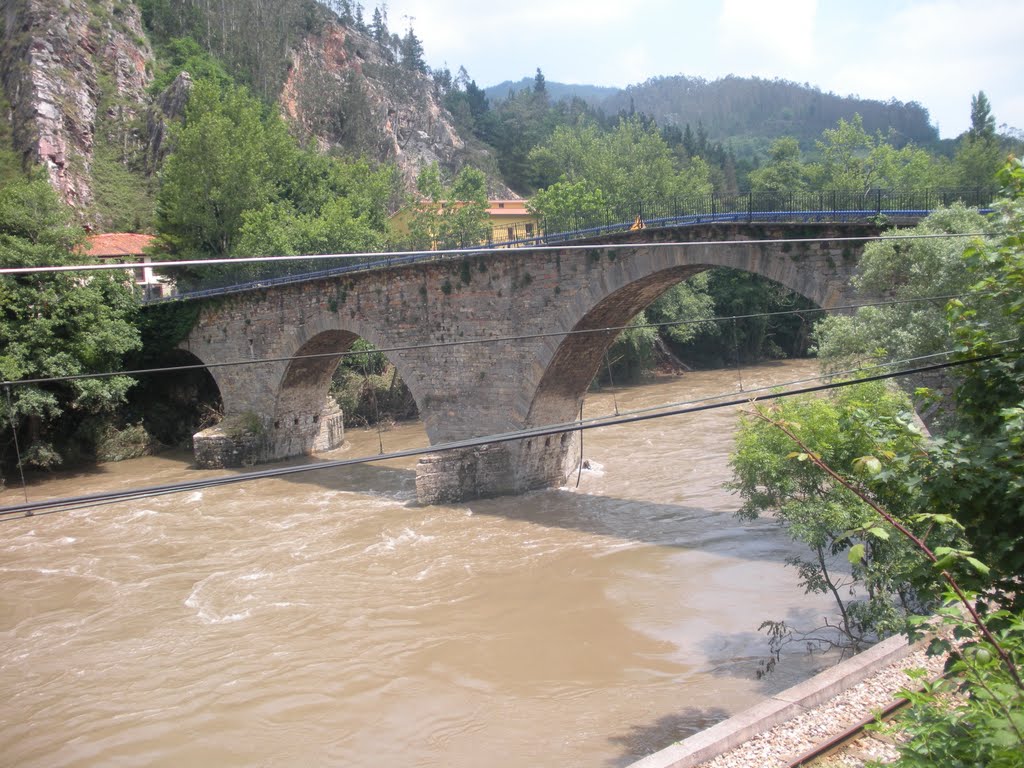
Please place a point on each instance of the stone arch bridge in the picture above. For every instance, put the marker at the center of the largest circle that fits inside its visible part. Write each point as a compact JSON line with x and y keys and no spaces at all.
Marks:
{"x":279,"y":404}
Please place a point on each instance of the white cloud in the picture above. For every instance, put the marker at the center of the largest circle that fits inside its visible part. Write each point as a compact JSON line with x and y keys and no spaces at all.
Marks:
{"x":940,"y":54}
{"x":767,"y":36}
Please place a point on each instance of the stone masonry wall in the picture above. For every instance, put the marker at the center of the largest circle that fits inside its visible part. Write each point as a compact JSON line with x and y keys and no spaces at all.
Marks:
{"x":481,"y":340}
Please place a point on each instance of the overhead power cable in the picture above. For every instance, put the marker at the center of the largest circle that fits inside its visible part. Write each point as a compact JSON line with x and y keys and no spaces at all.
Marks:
{"x":453,"y":252}
{"x":90,"y":500}
{"x":466,"y":342}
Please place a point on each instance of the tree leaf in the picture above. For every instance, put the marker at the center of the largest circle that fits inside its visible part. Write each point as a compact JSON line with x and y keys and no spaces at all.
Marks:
{"x":856,"y":553}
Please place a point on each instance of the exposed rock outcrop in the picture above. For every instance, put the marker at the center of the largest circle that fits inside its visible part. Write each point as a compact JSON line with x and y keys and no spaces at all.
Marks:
{"x":168,"y":108}
{"x":344,"y":90}
{"x":60,"y":59}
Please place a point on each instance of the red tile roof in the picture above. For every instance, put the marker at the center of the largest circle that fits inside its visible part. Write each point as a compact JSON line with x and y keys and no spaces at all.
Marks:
{"x":116,"y":244}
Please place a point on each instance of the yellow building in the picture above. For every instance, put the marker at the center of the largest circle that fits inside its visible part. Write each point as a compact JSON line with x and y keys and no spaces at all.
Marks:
{"x":510,"y":220}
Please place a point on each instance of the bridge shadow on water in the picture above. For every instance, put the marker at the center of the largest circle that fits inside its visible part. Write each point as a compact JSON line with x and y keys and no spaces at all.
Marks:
{"x":677,"y":526}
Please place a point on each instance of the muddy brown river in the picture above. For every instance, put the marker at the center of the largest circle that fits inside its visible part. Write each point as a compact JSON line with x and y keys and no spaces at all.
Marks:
{"x":327,"y":620}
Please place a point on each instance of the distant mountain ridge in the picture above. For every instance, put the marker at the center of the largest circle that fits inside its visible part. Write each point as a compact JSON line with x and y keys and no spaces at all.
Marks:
{"x":745,"y":107}
{"x":594,"y":95}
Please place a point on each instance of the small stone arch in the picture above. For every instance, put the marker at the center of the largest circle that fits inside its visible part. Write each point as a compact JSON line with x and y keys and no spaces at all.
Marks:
{"x":305,"y":418}
{"x":178,"y":402}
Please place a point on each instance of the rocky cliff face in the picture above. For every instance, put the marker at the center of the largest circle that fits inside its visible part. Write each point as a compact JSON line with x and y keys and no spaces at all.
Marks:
{"x":346,"y":91}
{"x":62,"y":64}
{"x":75,"y":73}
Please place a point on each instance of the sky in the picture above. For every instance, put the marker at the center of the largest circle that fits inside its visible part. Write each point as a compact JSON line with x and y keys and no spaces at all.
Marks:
{"x":938,"y":53}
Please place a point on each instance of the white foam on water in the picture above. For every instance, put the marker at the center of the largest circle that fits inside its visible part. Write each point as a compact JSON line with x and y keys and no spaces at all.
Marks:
{"x":389,"y":543}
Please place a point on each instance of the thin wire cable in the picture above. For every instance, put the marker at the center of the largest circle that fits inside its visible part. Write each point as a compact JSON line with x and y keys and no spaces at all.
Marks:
{"x":17,"y":448}
{"x":376,"y":408}
{"x":736,"y":352}
{"x":90,"y":500}
{"x":579,"y":471}
{"x":453,"y":252}
{"x":467,"y":342}
{"x":611,"y":384}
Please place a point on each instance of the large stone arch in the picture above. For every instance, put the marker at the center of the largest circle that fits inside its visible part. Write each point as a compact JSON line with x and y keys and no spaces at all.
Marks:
{"x":305,"y":418}
{"x":569,"y":363}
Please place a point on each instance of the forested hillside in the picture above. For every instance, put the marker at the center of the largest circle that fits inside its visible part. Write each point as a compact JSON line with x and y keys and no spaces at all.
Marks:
{"x":743,"y":110}
{"x":742,"y":107}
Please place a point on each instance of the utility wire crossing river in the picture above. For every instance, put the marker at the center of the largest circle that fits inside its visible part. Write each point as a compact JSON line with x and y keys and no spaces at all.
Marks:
{"x":326,"y":619}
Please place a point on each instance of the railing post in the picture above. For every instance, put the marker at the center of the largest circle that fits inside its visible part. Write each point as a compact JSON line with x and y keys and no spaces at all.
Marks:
{"x":750,"y":207}
{"x":878,"y":202}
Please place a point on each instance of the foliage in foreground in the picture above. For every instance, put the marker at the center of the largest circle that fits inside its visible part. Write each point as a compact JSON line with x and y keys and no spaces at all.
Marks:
{"x":875,"y":594}
{"x":56,"y":324}
{"x":975,"y":715}
{"x":959,"y":503}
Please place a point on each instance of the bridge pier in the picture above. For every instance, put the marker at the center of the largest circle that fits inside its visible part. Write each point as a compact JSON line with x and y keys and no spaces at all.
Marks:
{"x":497,"y":469}
{"x":247,"y":438}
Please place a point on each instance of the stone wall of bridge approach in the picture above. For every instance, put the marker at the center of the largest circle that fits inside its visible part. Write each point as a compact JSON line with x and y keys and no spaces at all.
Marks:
{"x":488,"y":343}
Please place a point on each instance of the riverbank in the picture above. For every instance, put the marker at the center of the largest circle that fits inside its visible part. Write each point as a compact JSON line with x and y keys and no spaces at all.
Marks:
{"x":784,"y":727}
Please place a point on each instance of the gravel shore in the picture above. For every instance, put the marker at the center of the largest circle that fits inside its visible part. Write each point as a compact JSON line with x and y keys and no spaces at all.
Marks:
{"x":787,"y":741}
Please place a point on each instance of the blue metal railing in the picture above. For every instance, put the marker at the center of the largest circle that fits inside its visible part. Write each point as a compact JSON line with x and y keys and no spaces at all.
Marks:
{"x":773,"y":207}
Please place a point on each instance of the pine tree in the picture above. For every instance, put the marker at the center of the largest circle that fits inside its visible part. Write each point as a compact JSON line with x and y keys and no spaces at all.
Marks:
{"x":379,"y":25}
{"x":983,"y":123}
{"x":411,"y":52}
{"x":539,"y":84}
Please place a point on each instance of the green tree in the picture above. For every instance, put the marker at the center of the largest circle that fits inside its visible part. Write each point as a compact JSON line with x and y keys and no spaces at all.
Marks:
{"x":539,"y":84}
{"x":969,"y":480}
{"x":765,"y":321}
{"x":184,"y":54}
{"x":411,"y":52}
{"x":379,"y":25}
{"x":684,"y":311}
{"x":55,"y":325}
{"x":328,"y":206}
{"x":450,"y":217}
{"x":920,"y":273}
{"x":681,"y":313}
{"x":784,"y":172}
{"x":566,"y":206}
{"x":978,"y":155}
{"x":983,"y":123}
{"x":514,"y":127}
{"x":630,"y":166}
{"x":854,"y":161}
{"x":982,"y":459}
{"x":875,"y":585}
{"x":228,"y":158}
{"x":631,"y":355}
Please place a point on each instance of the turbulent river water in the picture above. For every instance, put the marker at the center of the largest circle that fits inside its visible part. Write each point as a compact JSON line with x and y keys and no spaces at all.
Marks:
{"x":327,"y":620}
